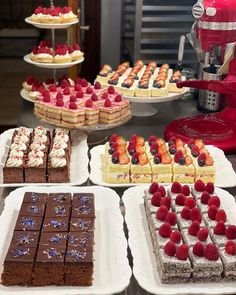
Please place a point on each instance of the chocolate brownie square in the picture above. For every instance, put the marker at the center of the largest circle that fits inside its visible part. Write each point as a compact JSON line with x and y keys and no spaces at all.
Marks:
{"x":59,"y":174}
{"x":83,"y":241}
{"x":59,"y":198}
{"x":58,"y":210}
{"x":81,"y":224}
{"x":78,"y":267}
{"x":49,"y":266}
{"x":55,"y":224}
{"x":33,"y":197}
{"x":83,"y":198}
{"x":28,"y":223}
{"x":83,"y":210}
{"x":31,"y":209}
{"x":18,"y":266}
{"x":28,"y":239}
{"x":54,"y":239}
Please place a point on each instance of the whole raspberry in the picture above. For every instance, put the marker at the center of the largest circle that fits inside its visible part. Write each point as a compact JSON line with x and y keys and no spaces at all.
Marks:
{"x":162,"y":190}
{"x":230,"y":248}
{"x":190,"y":202}
{"x":176,"y":187}
{"x":185,"y":190}
{"x":221,"y":215}
{"x":185,"y":213}
{"x":205,"y":198}
{"x":211,"y":252}
{"x":220,"y":228}
{"x":175,"y":236}
{"x":171,"y":218}
{"x":202,"y":234}
{"x":182,"y":252}
{"x":170,"y":248}
{"x":215,"y":200}
{"x":212,"y":211}
{"x":210,"y":187}
{"x":162,"y":213}
{"x":153,"y":188}
{"x":231,"y":232}
{"x":166,"y":201}
{"x":156,"y":199}
{"x":195,"y":214}
{"x":165,"y":230}
{"x":199,"y":186}
{"x":194,"y":228}
{"x":180,"y":199}
{"x":198,"y":249}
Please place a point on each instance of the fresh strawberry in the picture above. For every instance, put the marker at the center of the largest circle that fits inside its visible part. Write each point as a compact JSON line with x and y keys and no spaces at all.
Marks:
{"x":156,"y":199}
{"x":209,"y":161}
{"x":202,"y":234}
{"x":195,"y":151}
{"x":120,"y":140}
{"x":176,"y":187}
{"x":160,"y":141}
{"x":182,"y":252}
{"x":162,"y":190}
{"x":195,"y":214}
{"x":198,"y":249}
{"x":105,"y":95}
{"x":210,"y":187}
{"x":140,"y":141}
{"x":165,"y":230}
{"x":143,"y":160}
{"x":221,"y":215}
{"x":185,"y":213}
{"x":180,"y":199}
{"x":188,"y":160}
{"x":161,"y":213}
{"x":170,"y":248}
{"x":140,"y":149}
{"x":162,"y":149}
{"x":121,"y":149}
{"x":231,"y":232}
{"x":123,"y":159}
{"x":194,"y":228}
{"x":199,"y":186}
{"x":230,"y":248}
{"x":199,"y":143}
{"x":166,"y":159}
{"x":212,"y":211}
{"x":166,"y":201}
{"x":175,"y":236}
{"x":202,"y":156}
{"x":178,"y":156}
{"x":220,"y":228}
{"x":211,"y":252}
{"x":179,"y":142}
{"x":190,"y":202}
{"x":205,"y":197}
{"x":215,"y":200}
{"x":182,"y":149}
{"x":153,"y":188}
{"x":171,"y":218}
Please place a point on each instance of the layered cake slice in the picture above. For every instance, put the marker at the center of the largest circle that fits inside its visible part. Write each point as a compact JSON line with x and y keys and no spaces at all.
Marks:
{"x":91,"y":113}
{"x":118,"y":168}
{"x":72,"y":115}
{"x":228,"y":258}
{"x":160,"y":82}
{"x":144,"y":84}
{"x":176,"y":77}
{"x":109,"y":113}
{"x":140,"y":169}
{"x":183,"y":168}
{"x":104,"y":74}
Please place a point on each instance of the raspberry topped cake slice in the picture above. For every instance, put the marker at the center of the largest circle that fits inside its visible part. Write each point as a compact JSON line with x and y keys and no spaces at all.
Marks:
{"x":200,"y":187}
{"x":228,"y":257}
{"x":109,"y":113}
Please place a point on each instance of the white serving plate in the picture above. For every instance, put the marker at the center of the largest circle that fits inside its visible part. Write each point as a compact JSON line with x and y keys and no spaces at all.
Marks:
{"x":52,"y":65}
{"x":50,"y":26}
{"x":79,"y":159}
{"x":225,"y":174}
{"x":25,"y":95}
{"x":111,"y":268}
{"x":144,"y":263}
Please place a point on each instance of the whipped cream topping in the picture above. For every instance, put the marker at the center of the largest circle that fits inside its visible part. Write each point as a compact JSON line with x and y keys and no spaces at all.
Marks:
{"x":37,"y":146}
{"x":67,"y":55}
{"x":61,"y":137}
{"x":59,"y":131}
{"x":76,"y":53}
{"x":58,"y":162}
{"x":40,"y":138}
{"x":42,"y":55}
{"x":14,"y":162}
{"x":40,"y":130}
{"x":18,"y":146}
{"x":59,"y":145}
{"x":57,"y":153}
{"x":16,"y":153}
{"x":34,"y":161}
{"x":21,"y":138}
{"x":23,"y":131}
{"x":68,"y":15}
{"x":36,"y":153}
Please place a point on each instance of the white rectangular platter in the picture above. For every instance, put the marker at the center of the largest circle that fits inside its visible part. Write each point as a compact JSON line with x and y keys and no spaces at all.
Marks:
{"x":79,"y":159}
{"x":144,"y":268}
{"x":225,"y":174}
{"x":111,"y":268}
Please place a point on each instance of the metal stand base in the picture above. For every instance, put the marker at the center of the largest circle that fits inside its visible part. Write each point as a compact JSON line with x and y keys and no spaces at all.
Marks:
{"x":143,"y":109}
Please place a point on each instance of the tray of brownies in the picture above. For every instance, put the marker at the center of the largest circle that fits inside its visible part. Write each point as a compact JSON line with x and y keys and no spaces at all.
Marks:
{"x":43,"y":156}
{"x":60,"y":236}
{"x":182,"y":237}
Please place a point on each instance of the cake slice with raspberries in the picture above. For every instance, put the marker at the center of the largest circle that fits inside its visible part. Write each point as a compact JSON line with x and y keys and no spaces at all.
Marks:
{"x":228,"y":258}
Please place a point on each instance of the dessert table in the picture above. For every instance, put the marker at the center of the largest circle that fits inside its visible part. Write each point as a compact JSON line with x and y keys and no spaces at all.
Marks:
{"x":167,"y":111}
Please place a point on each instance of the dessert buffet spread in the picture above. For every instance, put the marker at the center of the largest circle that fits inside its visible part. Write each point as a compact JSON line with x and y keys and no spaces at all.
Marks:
{"x":53,"y":15}
{"x":192,"y":238}
{"x":63,"y":53}
{"x":141,"y":80}
{"x":53,"y":241}
{"x":38,"y":156}
{"x":137,"y":161}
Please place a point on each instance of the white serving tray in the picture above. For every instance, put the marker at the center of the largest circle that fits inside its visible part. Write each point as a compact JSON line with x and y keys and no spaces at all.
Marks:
{"x":144,"y":263}
{"x":52,"y":65}
{"x":111,"y":268}
{"x":79,"y":159}
{"x":24,"y":94}
{"x":225,"y":174}
{"x":50,"y":26}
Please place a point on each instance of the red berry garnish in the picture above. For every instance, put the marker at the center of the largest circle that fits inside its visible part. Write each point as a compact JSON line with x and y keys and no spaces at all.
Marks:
{"x":89,"y":90}
{"x":199,"y":186}
{"x":205,"y":197}
{"x":175,"y":236}
{"x":221,"y":215}
{"x":53,"y":88}
{"x":107,"y":103}
{"x":111,"y":90}
{"x":190,"y":202}
{"x":165,"y":230}
{"x":166,"y":201}
{"x":118,"y":98}
{"x":210,"y":187}
{"x":211,"y":252}
{"x":73,"y":98}
{"x":195,"y":214}
{"x":66,"y":91}
{"x":161,"y":213}
{"x":84,"y":83}
{"x":220,"y":228}
{"x":59,"y":95}
{"x":212,"y":211}
{"x":215,"y":200}
{"x":182,"y":252}
{"x":162,"y":190}
{"x":176,"y":187}
{"x":97,"y":85}
{"x":105,"y":95}
{"x":178,"y":156}
{"x":72,"y":106}
{"x":230,"y":248}
{"x":194,"y":228}
{"x":185,"y":213}
{"x":94,"y":97}
{"x":59,"y":103}
{"x":89,"y":103}
{"x":153,"y":188}
{"x":202,"y":234}
{"x":198,"y":249}
{"x":180,"y":199}
{"x":170,"y":248}
{"x":171,"y":218}
{"x":78,"y":87}
{"x":231,"y":232}
{"x":156,"y":199}
{"x":80,"y":94}
{"x":185,"y":190}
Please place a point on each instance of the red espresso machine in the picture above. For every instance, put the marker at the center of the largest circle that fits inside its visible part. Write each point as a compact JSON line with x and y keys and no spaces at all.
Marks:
{"x":216,"y":27}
